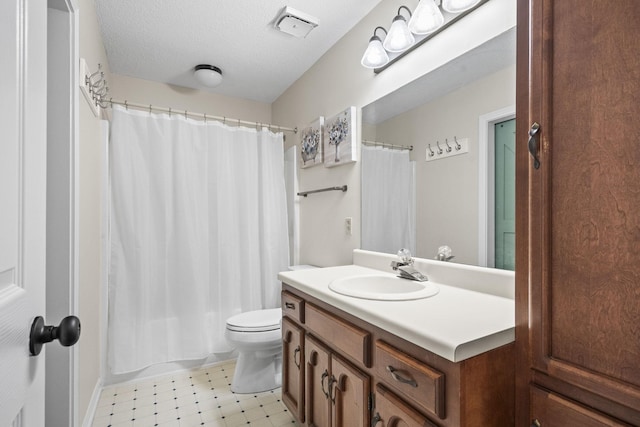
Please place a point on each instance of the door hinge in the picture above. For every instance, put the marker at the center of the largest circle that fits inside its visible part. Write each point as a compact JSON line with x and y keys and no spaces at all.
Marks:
{"x":371,"y":403}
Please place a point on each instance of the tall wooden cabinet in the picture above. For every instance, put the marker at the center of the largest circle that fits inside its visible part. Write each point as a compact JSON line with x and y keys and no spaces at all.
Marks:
{"x":578,"y":213}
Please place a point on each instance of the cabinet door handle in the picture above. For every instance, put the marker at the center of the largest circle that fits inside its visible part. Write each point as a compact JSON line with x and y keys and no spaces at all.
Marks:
{"x":533,"y":144}
{"x":376,"y":419}
{"x":535,"y":423}
{"x":290,"y":305}
{"x":295,"y":358}
{"x":332,"y":388}
{"x":325,"y":374}
{"x":394,"y":374}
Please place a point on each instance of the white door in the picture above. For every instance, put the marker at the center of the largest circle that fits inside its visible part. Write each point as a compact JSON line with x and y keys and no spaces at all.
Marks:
{"x":23,"y":76}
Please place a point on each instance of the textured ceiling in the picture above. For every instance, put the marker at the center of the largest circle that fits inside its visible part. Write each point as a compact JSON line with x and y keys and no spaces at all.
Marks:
{"x":162,"y":40}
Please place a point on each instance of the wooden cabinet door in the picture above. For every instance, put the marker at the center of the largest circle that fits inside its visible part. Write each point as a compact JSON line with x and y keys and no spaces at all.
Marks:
{"x":350,"y":392}
{"x":578,"y":265}
{"x":317,"y":376}
{"x":392,"y":411}
{"x":293,"y":368}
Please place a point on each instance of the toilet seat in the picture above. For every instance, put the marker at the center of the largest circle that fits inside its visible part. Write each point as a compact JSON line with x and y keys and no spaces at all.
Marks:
{"x":256,"y":321}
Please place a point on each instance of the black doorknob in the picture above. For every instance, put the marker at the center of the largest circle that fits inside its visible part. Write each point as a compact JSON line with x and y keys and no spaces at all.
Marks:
{"x":68,"y":333}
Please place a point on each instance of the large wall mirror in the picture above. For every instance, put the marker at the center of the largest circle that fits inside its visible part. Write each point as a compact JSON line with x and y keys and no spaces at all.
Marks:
{"x":464,"y":201}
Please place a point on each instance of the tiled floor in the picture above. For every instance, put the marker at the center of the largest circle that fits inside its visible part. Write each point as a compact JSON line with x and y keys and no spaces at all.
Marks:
{"x":190,"y":399}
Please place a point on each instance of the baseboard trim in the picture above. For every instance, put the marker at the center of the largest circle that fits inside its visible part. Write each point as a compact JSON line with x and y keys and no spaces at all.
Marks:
{"x":93,"y":405}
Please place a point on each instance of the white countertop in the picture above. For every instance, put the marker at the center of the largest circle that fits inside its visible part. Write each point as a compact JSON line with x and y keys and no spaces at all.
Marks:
{"x":456,"y":324}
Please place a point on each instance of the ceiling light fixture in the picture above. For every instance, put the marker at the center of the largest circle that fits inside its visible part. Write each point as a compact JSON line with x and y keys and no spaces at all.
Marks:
{"x":208,"y":75}
{"x":375,"y":56}
{"x":425,"y":22}
{"x":399,"y":37}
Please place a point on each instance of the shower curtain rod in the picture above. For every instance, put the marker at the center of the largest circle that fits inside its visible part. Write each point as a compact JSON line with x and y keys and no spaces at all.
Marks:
{"x":204,"y":116}
{"x":387,"y":145}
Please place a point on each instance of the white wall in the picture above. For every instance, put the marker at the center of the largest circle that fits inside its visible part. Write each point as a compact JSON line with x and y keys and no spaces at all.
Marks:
{"x":181,"y":98}
{"x":89,"y":300}
{"x":447,"y":189}
{"x":338,"y":80}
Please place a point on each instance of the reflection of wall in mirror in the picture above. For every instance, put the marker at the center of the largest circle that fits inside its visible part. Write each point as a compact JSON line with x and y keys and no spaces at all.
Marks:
{"x":447,"y":189}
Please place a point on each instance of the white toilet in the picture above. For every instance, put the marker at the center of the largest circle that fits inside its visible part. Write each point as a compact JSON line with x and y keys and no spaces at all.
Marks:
{"x":257,"y":336}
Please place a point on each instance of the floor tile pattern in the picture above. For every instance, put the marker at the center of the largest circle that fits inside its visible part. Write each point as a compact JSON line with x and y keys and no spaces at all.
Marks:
{"x":190,"y":399}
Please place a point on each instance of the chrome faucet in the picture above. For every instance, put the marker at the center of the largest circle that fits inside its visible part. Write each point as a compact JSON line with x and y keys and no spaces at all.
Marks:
{"x":405,"y":267}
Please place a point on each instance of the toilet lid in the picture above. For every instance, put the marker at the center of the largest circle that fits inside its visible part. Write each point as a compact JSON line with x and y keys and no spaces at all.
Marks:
{"x":256,"y":321}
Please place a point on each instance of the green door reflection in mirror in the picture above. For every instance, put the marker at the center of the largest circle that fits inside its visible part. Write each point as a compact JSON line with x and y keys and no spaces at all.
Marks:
{"x":505,"y":178}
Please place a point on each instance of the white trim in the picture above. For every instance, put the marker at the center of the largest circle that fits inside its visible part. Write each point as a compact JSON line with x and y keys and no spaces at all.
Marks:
{"x":105,"y":242}
{"x":75,"y":173}
{"x":69,"y":289}
{"x":486,"y":182}
{"x":87,"y":421}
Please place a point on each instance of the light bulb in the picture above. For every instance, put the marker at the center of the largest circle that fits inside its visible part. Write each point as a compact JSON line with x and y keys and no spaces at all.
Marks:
{"x":399,"y":38}
{"x":457,"y":6}
{"x":375,"y":56}
{"x":426,"y":19}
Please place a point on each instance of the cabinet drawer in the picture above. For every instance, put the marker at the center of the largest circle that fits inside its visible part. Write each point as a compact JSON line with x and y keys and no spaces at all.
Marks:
{"x":349,"y":339}
{"x":552,"y":410}
{"x":292,"y":306}
{"x":411,"y":378}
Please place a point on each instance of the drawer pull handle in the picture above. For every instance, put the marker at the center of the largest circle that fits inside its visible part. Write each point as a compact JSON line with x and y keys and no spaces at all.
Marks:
{"x":290,"y":305}
{"x":325,"y":374}
{"x":394,"y":374}
{"x":376,"y":419}
{"x":295,"y":358}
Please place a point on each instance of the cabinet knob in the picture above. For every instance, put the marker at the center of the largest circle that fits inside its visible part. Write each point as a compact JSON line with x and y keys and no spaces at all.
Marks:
{"x":535,"y":423}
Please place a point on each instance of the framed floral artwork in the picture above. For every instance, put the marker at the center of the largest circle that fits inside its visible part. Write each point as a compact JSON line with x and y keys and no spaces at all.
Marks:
{"x":311,"y":143}
{"x":340,"y":138}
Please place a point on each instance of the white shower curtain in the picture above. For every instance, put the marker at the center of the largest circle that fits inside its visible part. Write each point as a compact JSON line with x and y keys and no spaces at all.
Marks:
{"x":388,"y":200}
{"x":198,"y":233}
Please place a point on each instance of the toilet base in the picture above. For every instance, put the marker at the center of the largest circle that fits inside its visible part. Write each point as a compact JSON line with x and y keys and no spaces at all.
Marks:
{"x":255,"y":374}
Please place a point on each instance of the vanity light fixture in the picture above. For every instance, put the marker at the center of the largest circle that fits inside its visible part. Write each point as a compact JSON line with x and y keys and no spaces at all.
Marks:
{"x":429,"y":18}
{"x":375,"y":56}
{"x":399,"y":38}
{"x":458,"y":6}
{"x":208,"y":75}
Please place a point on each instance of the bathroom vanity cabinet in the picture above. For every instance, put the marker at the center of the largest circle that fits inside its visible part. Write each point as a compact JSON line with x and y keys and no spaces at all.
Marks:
{"x":340,"y":371}
{"x":578,"y":265}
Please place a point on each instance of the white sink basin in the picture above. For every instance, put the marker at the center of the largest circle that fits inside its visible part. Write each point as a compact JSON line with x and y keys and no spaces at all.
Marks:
{"x":383,"y":287}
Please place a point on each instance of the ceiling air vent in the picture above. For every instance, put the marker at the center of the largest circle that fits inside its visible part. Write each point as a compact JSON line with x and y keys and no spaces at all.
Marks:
{"x":295,"y":23}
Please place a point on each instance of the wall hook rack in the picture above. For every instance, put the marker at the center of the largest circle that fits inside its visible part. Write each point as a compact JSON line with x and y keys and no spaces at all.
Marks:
{"x":93,"y":86}
{"x":461,"y":146}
